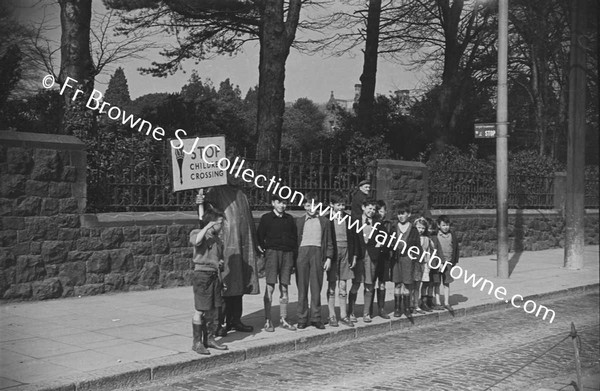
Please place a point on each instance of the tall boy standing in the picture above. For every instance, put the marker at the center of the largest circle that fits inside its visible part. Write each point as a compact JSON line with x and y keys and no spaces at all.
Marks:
{"x":315,"y":252}
{"x":277,"y":239}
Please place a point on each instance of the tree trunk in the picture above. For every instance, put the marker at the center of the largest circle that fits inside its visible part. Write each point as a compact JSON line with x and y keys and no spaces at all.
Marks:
{"x":369,"y":74}
{"x":451,"y":16}
{"x":276,"y":37}
{"x":76,"y":63}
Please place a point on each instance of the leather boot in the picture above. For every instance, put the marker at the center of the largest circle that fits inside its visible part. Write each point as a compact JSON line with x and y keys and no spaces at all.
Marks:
{"x":209,"y":337}
{"x":406,"y":305}
{"x":397,"y":306}
{"x":381,"y":303}
{"x":198,"y":345}
{"x":351,"y":302}
{"x":424,"y":305}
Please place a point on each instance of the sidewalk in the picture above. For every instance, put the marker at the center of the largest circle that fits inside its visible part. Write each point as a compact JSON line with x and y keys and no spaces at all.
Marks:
{"x":111,"y":341}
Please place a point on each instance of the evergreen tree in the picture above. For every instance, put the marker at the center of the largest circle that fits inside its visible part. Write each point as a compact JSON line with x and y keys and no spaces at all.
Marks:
{"x":117,"y":93}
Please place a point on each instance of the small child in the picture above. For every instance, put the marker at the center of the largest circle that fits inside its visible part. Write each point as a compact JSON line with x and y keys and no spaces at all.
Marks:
{"x":403,"y":266}
{"x":427,"y":245}
{"x":382,"y":274}
{"x":447,"y":248}
{"x":344,"y":257}
{"x":208,"y":262}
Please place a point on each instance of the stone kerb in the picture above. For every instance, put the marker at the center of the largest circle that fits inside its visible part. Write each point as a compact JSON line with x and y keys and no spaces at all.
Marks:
{"x":402,"y":181}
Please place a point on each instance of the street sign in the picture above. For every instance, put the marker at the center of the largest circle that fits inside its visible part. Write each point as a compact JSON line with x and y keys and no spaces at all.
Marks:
{"x":485,"y":130}
{"x":190,"y":169}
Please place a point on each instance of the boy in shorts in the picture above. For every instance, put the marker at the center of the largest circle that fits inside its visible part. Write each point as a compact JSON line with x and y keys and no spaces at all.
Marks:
{"x":368,"y":253}
{"x":344,"y":256}
{"x":208,"y":261}
{"x":277,"y":240}
{"x":446,"y":244}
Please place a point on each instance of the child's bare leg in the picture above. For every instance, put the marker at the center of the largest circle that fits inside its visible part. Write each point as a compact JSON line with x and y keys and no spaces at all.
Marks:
{"x":342,"y":299}
{"x":446,"y":294}
{"x":268,"y":300}
{"x":331,"y":299}
{"x":283,"y":301}
{"x":437,"y":294}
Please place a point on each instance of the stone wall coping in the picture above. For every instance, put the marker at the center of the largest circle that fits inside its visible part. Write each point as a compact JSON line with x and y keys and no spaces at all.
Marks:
{"x":40,"y":140}
{"x":190,"y":217}
{"x":400,"y":163}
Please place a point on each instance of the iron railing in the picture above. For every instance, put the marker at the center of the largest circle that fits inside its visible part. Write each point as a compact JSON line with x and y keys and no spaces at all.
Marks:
{"x":126,"y":182}
{"x":477,"y":190}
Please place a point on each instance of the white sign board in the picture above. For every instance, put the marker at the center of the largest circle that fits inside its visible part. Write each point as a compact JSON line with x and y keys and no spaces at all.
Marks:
{"x":190,"y":169}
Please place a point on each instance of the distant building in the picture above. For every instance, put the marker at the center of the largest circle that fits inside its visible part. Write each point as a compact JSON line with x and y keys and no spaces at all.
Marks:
{"x":404,"y":100}
{"x":334,"y":105}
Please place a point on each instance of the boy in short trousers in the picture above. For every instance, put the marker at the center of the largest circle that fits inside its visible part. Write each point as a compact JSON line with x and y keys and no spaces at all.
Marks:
{"x":277,"y":240}
{"x":208,"y":261}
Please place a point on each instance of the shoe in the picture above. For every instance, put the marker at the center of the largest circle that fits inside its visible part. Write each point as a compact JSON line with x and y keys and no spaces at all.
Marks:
{"x":221,"y":331}
{"x":211,"y":343}
{"x":269,"y":326}
{"x":449,"y":308}
{"x":424,"y":306}
{"x":420,"y":311}
{"x":352,"y":318}
{"x":347,"y":322}
{"x":438,"y":307}
{"x":301,"y":326}
{"x":383,"y":314}
{"x":285,"y":325}
{"x":318,"y":325}
{"x":242,"y":327}
{"x":333,"y":322}
{"x":367,"y":318}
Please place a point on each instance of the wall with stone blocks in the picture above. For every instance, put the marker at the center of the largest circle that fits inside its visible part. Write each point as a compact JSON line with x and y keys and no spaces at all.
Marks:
{"x":49,"y":248}
{"x":529,"y":230}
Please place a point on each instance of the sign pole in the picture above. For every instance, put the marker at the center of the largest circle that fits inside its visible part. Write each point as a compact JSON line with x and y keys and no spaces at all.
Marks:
{"x":502,"y":141}
{"x":575,"y":200}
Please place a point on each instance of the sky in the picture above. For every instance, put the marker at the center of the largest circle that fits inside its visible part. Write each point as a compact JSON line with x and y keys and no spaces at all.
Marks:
{"x":311,"y":76}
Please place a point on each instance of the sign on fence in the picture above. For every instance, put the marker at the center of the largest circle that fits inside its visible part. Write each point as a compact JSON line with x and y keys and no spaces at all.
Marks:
{"x":485,"y":130}
{"x":191,"y":171}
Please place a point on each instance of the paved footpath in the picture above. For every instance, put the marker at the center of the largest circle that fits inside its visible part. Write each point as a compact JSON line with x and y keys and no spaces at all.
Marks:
{"x":117,"y":340}
{"x":474,"y":353}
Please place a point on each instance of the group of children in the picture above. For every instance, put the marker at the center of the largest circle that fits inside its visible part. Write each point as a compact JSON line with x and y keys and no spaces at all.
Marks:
{"x":315,"y":246}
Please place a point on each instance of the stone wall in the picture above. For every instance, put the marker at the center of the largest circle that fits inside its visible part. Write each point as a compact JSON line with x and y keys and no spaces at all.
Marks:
{"x":50,"y":248}
{"x":529,"y":230}
{"x":42,"y":193}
